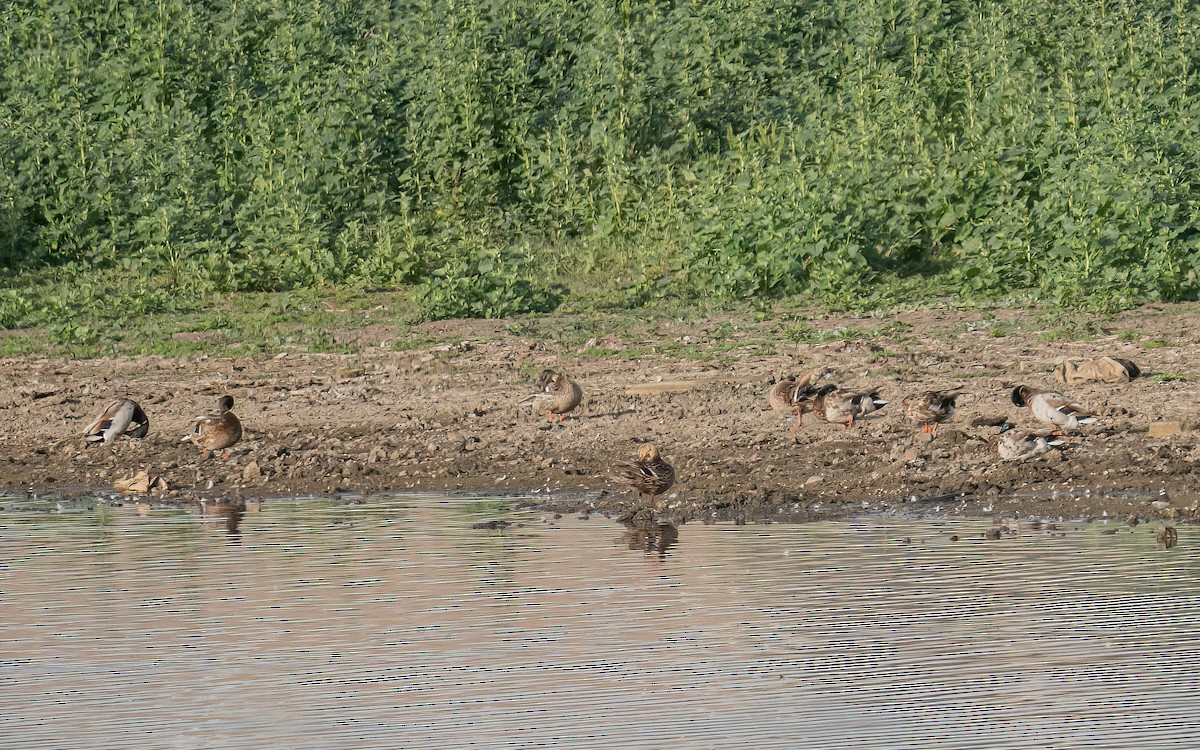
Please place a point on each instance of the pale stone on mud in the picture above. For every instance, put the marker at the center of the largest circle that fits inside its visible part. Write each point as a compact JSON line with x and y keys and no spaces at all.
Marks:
{"x":251,"y":472}
{"x":1164,"y":429}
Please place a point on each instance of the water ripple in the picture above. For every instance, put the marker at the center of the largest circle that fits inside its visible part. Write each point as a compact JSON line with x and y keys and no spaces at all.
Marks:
{"x":393,"y":623}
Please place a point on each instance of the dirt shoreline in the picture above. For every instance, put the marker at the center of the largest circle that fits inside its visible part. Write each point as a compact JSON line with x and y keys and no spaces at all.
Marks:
{"x":448,"y":416}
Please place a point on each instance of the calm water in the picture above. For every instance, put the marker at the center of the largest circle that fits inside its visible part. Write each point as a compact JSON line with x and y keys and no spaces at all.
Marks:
{"x":395,"y":624}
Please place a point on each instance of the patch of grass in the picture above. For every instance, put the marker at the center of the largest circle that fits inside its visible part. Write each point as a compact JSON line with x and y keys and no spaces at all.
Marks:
{"x":803,"y":334}
{"x":624,"y":355}
{"x":1169,"y":377}
{"x":1155,"y":344}
{"x":1071,"y":326}
{"x":409,"y":344}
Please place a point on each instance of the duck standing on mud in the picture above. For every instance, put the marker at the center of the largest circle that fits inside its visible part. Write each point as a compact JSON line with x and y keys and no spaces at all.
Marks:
{"x":1053,"y":408}
{"x":1019,"y":445}
{"x":121,"y":417}
{"x":931,"y":408}
{"x":649,"y":475}
{"x":793,"y":396}
{"x":832,"y":404}
{"x":216,"y":431}
{"x":562,"y":393}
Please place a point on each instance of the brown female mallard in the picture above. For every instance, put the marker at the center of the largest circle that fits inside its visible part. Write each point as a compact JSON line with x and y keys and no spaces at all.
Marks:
{"x":793,"y":396}
{"x":931,"y":408}
{"x":560,"y":392}
{"x":216,"y":431}
{"x":121,"y":417}
{"x":833,"y":404}
{"x":1052,"y":408}
{"x":650,"y":475}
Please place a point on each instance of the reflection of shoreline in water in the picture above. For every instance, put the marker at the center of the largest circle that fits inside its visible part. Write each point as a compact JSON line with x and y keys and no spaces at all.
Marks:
{"x":650,"y":539}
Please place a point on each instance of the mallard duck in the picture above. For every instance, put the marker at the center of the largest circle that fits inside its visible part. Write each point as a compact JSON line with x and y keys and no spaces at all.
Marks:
{"x":1018,"y":445}
{"x":121,"y":417}
{"x":833,"y":404}
{"x":1052,"y":408}
{"x":793,"y":396}
{"x":216,"y":431}
{"x":931,"y":408}
{"x":650,"y":475}
{"x":562,"y":393}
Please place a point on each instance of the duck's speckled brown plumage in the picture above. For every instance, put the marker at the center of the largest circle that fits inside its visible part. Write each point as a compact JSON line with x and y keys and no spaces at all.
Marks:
{"x":793,"y":396}
{"x":843,"y":406}
{"x":650,"y":474}
{"x":931,"y":408}
{"x":563,"y":393}
{"x":216,"y":431}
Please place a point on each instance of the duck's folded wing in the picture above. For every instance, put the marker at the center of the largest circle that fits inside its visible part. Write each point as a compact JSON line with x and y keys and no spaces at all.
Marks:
{"x":1065,"y":405}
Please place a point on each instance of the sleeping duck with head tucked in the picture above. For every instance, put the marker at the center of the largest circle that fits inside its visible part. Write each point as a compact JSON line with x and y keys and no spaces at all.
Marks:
{"x":843,"y":406}
{"x":122,"y":417}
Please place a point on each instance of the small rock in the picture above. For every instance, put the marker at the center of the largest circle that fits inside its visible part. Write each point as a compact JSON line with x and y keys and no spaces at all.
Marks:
{"x":141,"y":483}
{"x":1164,"y":429}
{"x":251,"y":472}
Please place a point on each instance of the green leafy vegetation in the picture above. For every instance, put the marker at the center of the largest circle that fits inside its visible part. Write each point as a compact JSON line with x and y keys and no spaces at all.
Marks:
{"x":1170,"y":377}
{"x":490,"y":159}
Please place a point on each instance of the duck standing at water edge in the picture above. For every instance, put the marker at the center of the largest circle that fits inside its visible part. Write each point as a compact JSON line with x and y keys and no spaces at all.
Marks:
{"x":121,"y":417}
{"x":649,"y":475}
{"x":216,"y":431}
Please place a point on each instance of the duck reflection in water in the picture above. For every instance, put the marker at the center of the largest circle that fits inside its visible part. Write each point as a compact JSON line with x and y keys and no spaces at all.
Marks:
{"x":651,"y":539}
{"x":232,"y":511}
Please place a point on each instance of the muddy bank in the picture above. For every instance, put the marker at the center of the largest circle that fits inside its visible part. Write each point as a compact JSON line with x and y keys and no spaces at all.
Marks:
{"x":448,"y":416}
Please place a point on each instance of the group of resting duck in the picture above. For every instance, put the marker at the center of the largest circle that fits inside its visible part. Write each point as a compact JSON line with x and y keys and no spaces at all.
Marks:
{"x":124,"y":417}
{"x":651,"y":475}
